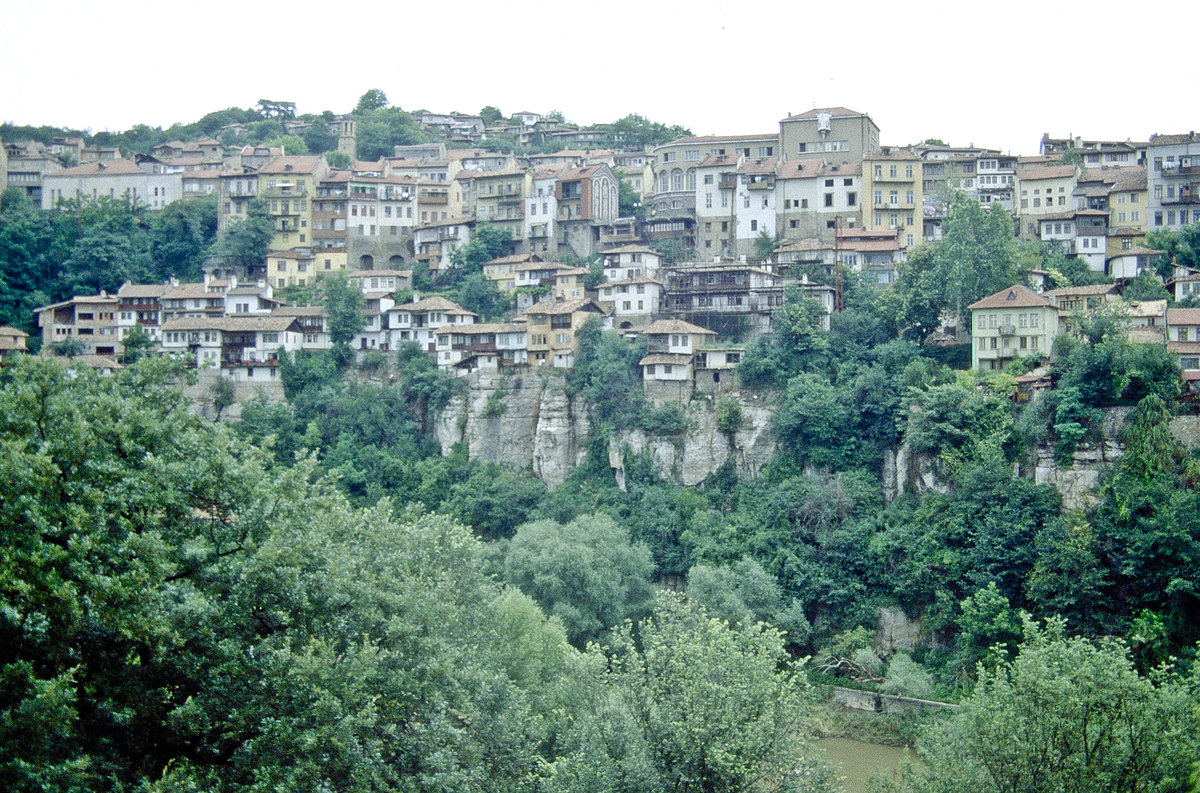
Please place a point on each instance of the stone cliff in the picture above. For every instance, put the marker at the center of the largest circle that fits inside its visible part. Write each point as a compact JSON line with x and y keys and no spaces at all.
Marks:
{"x":528,"y":421}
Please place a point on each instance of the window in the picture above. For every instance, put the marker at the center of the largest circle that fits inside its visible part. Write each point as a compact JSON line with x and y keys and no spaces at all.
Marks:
{"x":829,"y":199}
{"x":708,"y":178}
{"x":851,"y":198}
{"x":754,"y":225}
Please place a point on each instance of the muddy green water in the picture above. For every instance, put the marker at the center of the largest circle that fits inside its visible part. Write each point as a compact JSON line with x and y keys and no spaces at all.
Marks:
{"x":857,"y":760}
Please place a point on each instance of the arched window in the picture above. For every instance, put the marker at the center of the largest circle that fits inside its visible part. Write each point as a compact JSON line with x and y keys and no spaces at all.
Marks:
{"x":664,"y":182}
{"x":691,"y":179}
{"x":366,"y":262}
{"x":676,"y":179}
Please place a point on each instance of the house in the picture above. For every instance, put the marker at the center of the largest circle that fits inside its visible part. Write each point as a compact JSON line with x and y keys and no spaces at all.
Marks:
{"x":668,"y":367}
{"x":111,"y":179}
{"x":295,"y":267}
{"x":1183,"y":340}
{"x":501,"y":271}
{"x":716,"y":202}
{"x":206,"y":299}
{"x":1043,"y":191}
{"x":12,"y":340}
{"x":246,"y":348}
{"x":1186,"y":283}
{"x":541,"y":210}
{"x":140,"y":305}
{"x":375,"y":333}
{"x":435,"y":242}
{"x":1146,"y":321}
{"x":631,"y":261}
{"x":1173,"y":180}
{"x":288,"y":185}
{"x":633,"y":301}
{"x":255,"y":298}
{"x":587,"y":200}
{"x":553,"y":325}
{"x":714,"y":367}
{"x":817,"y":198}
{"x":809,"y":256}
{"x":489,"y":346}
{"x":737,"y":297}
{"x":1082,"y":233}
{"x":874,"y":253}
{"x":91,"y":320}
{"x":381,"y":280}
{"x":419,"y":318}
{"x":1132,"y":262}
{"x":27,"y":163}
{"x":1071,"y":300}
{"x":835,"y":134}
{"x":754,"y":202}
{"x":312,"y":322}
{"x":1012,"y":323}
{"x":893,"y":183}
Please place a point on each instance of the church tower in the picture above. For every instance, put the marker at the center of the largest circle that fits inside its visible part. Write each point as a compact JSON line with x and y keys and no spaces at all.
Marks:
{"x":347,"y":136}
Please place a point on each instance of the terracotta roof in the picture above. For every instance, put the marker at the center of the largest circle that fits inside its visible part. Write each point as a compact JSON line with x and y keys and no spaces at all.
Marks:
{"x":869,"y":245}
{"x":143,"y":290}
{"x":808,"y":244}
{"x":356,"y":274}
{"x":671,"y":359}
{"x":104,"y":168}
{"x":298,"y":311}
{"x":675,"y":326}
{"x":1015,"y":296}
{"x":721,"y":139}
{"x":299,"y":165}
{"x":188,"y":291}
{"x":435,"y":303}
{"x":516,"y":258}
{"x":564,"y":307}
{"x":230,"y":323}
{"x":1136,"y":251}
{"x":1081,"y":291}
{"x":1049,"y":172}
{"x":482,"y":327}
{"x":759,"y":165}
{"x":836,"y":112}
{"x":631,"y":282}
{"x":629,"y":249}
{"x":1172,"y":140}
{"x":1183,"y":316}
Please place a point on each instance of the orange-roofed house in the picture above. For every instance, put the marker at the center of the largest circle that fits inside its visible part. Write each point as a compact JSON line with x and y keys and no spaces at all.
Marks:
{"x":1015,"y":322}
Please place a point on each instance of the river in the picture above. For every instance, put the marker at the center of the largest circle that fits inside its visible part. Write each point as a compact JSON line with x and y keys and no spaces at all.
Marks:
{"x":857,"y":760}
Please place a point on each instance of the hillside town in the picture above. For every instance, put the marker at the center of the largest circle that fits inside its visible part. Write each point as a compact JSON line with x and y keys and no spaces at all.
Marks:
{"x":718,"y":230}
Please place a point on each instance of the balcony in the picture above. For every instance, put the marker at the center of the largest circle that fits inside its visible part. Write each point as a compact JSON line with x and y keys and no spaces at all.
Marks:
{"x":285,"y":191}
{"x":1007,"y":330}
{"x":244,"y":191}
{"x":728,"y":182}
{"x":434,"y":198}
{"x":1186,"y":194}
{"x":765,"y":184}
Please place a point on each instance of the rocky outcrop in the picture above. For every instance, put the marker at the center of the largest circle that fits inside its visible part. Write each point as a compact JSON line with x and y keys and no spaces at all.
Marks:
{"x":693,"y":456}
{"x":523,"y":420}
{"x":528,"y":421}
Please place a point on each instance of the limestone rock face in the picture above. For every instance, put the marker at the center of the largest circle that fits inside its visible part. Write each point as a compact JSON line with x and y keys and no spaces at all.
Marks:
{"x":693,"y":456}
{"x":897,"y":633}
{"x":528,"y":421}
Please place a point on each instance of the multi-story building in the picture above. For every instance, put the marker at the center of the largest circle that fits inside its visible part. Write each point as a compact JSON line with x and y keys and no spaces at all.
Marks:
{"x":28,"y":162}
{"x":553,"y":327}
{"x":1014,"y":322}
{"x":633,"y":301}
{"x":487,"y":346}
{"x":417,"y":319}
{"x":834,"y":134}
{"x":587,"y":202}
{"x":541,"y":210}
{"x":111,"y":179}
{"x":140,"y":305}
{"x":1096,"y":153}
{"x":288,"y":185}
{"x":715,"y":200}
{"x":330,"y":213}
{"x":735,"y":298}
{"x":434,"y":243}
{"x":754,"y":202}
{"x":495,"y":196}
{"x":90,"y":320}
{"x":668,"y":368}
{"x":1183,"y":340}
{"x":995,"y":180}
{"x":1042,"y":191}
{"x":236,"y":189}
{"x":818,"y":198}
{"x":1082,"y":233}
{"x":893,"y":183}
{"x":1173,"y":180}
{"x":631,"y":261}
{"x":874,"y":253}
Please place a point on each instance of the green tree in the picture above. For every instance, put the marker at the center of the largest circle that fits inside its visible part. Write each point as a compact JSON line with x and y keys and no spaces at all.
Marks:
{"x":1065,"y":715}
{"x":587,"y":573}
{"x":373,"y":99}
{"x":344,"y":307}
{"x":318,"y":139}
{"x":137,"y":343}
{"x":745,"y":594}
{"x":721,"y":708}
{"x":629,"y":202}
{"x":245,"y":242}
{"x":491,"y":114}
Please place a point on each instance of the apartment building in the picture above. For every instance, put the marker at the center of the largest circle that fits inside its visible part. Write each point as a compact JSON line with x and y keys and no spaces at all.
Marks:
{"x":893,"y":184}
{"x":816,"y":198}
{"x":1173,"y":180}
{"x":1042,"y":191}
{"x":111,"y":179}
{"x":837,"y":135}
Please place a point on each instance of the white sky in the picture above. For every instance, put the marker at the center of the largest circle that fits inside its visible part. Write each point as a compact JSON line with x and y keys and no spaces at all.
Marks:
{"x":992,"y":74}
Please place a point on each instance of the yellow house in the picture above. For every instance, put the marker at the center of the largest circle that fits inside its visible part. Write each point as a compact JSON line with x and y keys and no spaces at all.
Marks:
{"x":496,"y":196}
{"x":288,"y":185}
{"x":893,"y":190}
{"x":553,"y":325}
{"x":296,"y":267}
{"x":502,"y":271}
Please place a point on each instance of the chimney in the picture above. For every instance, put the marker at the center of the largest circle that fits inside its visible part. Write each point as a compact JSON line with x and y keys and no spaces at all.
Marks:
{"x":742,"y":258}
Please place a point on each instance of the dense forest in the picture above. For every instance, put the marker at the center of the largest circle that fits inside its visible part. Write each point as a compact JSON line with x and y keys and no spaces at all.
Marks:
{"x":315,"y":597}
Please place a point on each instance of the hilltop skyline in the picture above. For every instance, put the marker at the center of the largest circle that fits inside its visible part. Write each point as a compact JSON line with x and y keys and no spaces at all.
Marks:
{"x":715,"y":69}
